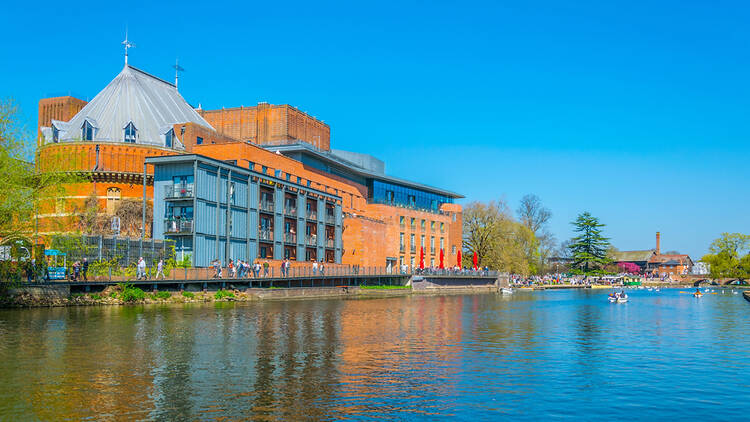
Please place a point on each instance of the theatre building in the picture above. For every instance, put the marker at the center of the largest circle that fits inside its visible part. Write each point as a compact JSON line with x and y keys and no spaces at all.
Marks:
{"x":257,"y":182}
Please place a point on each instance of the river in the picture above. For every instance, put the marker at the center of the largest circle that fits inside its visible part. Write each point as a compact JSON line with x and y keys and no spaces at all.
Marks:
{"x":552,"y":355}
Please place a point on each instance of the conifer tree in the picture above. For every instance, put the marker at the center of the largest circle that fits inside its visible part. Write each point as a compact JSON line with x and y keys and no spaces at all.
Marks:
{"x":589,"y":248}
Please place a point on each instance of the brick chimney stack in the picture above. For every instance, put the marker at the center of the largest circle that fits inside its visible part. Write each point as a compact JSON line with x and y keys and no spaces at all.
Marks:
{"x":658,"y":242}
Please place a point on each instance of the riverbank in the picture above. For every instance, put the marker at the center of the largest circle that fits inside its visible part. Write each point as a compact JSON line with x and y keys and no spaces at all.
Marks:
{"x":57,"y":296}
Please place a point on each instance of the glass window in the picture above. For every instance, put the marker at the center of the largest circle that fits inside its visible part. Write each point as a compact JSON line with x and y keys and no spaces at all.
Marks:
{"x":422,"y":242}
{"x":401,"y":239}
{"x":277,"y":173}
{"x":113,"y":198}
{"x":264,"y":169}
{"x":87,"y":131}
{"x":442,"y":227}
{"x":412,"y":222}
{"x":432,"y":225}
{"x":411,"y":239}
{"x":423,"y":225}
{"x":198,"y":140}
{"x":55,"y":134}
{"x":169,"y":138}
{"x":442,"y":243}
{"x":401,"y":220}
{"x":130,"y":133}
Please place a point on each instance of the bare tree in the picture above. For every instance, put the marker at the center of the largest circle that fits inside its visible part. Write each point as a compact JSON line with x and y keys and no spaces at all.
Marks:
{"x":532,"y":214}
{"x":130,"y":212}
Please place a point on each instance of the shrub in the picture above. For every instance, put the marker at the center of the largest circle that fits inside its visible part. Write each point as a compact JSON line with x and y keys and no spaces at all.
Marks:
{"x":95,"y":296}
{"x":189,"y":295}
{"x":130,"y":293}
{"x":163,"y":295}
{"x":221,"y":294}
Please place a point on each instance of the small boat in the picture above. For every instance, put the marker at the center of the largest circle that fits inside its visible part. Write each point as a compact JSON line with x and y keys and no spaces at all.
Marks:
{"x":746,"y":295}
{"x":623,"y":299}
{"x":697,"y":294}
{"x":506,"y":291}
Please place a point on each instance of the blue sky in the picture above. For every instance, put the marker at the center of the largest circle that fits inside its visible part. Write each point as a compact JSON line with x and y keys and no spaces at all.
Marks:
{"x":634,"y":111}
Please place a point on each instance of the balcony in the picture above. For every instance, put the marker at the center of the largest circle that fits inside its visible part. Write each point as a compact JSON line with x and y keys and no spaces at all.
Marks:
{"x":329,"y":243}
{"x":290,"y":237}
{"x":266,"y":206}
{"x":330,"y":219}
{"x":178,"y":191}
{"x":266,"y":234}
{"x":312,"y":215}
{"x":312,"y":240}
{"x":290,"y":209}
{"x":178,"y":226}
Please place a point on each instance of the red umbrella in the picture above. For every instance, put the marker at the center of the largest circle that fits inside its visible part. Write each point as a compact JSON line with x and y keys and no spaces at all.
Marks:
{"x":476,"y":262}
{"x":421,"y":258}
{"x":442,"y":255}
{"x":458,"y":259}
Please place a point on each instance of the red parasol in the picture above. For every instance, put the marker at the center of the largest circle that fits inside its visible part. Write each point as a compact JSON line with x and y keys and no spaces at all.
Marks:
{"x":476,"y":262}
{"x":458,"y":259}
{"x":442,"y":256}
{"x":421,"y":258}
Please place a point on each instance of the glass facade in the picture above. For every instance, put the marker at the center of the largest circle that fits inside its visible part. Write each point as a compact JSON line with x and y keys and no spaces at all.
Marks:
{"x":391,"y":194}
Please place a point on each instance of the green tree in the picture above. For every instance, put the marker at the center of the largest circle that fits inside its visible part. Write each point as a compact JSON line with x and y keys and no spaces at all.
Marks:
{"x":589,"y":249}
{"x":22,"y":188}
{"x":728,"y":256}
{"x":500,"y":242}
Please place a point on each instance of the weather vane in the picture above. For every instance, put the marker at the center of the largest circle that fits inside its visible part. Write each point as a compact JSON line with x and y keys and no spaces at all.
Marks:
{"x":127,"y":45}
{"x":177,"y":70}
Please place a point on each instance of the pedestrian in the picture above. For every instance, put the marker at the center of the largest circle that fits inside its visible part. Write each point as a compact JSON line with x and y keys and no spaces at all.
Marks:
{"x":315,"y":267}
{"x":232,"y":269}
{"x":266,"y":267}
{"x":322,"y":269}
{"x":85,"y":269}
{"x":76,"y":270}
{"x":160,"y":269}
{"x":141,"y":269}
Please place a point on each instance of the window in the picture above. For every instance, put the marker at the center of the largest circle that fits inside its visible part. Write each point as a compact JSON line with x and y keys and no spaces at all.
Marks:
{"x":198,"y":140}
{"x":130,"y":133}
{"x":401,"y":220}
{"x":422,"y":224}
{"x":401,"y":239}
{"x":87,"y":131}
{"x":264,"y":169}
{"x":263,"y":252}
{"x":169,"y":138}
{"x":400,"y":261}
{"x":442,"y":227}
{"x":55,"y":134}
{"x":411,"y":261}
{"x":421,"y":242}
{"x":411,"y":241}
{"x":288,"y":177}
{"x":299,"y":179}
{"x":453,"y":249}
{"x":442,"y":243}
{"x":432,"y":262}
{"x":113,"y":199}
{"x":389,"y":196}
{"x":432,"y":225}
{"x":277,"y":174}
{"x":432,"y":243}
{"x":413,"y":222}
{"x":308,"y":183}
{"x":412,"y":201}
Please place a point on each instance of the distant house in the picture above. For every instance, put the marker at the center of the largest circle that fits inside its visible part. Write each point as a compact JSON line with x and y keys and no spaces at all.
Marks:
{"x":639,"y":258}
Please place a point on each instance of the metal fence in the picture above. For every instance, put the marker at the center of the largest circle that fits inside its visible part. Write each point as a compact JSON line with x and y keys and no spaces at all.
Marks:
{"x":121,"y":251}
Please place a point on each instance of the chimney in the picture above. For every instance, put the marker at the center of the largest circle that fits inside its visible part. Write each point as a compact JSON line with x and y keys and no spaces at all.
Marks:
{"x":658,"y":241}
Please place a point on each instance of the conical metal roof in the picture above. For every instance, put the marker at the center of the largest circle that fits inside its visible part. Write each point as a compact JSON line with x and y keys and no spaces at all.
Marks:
{"x":151,"y":104}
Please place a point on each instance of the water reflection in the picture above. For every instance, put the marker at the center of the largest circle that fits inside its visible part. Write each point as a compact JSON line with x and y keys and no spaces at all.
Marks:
{"x":465,"y":357}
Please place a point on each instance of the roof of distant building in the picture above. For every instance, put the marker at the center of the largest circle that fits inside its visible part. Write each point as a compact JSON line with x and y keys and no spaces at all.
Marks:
{"x":633,"y":256}
{"x":355,"y":168}
{"x":152,"y":104}
{"x":666,"y":259}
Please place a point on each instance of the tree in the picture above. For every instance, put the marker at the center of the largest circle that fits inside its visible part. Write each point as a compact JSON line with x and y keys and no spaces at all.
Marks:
{"x":729,"y":257}
{"x":499,"y":241}
{"x":535,"y":216}
{"x":130,"y":212}
{"x":22,"y":188}
{"x":589,"y":249}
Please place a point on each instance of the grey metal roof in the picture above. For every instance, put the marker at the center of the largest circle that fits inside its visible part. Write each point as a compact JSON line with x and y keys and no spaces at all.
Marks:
{"x":152,"y":104}
{"x":356,"y":169}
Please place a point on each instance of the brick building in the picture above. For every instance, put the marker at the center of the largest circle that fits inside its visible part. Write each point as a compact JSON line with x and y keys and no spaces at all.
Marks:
{"x":653,"y":262}
{"x":385,"y":220}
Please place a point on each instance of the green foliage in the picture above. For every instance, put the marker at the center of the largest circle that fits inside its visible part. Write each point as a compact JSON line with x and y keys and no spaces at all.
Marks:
{"x":95,"y":296}
{"x":189,"y":295}
{"x":221,"y":294}
{"x":386,"y":287}
{"x":163,"y":295}
{"x":185,"y":262}
{"x":129,"y":293}
{"x":589,"y":249}
{"x":729,"y":257}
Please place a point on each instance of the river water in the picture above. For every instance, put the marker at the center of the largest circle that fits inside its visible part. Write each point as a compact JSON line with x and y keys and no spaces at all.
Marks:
{"x":552,"y":355}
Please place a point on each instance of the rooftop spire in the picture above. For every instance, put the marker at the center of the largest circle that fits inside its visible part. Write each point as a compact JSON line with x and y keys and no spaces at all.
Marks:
{"x":177,"y":70}
{"x":127,"y":45}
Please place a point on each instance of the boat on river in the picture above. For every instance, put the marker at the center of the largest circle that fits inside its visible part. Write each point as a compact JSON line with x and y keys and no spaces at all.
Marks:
{"x":617,"y":298}
{"x":698,"y":294}
{"x":506,"y":291}
{"x":746,"y":295}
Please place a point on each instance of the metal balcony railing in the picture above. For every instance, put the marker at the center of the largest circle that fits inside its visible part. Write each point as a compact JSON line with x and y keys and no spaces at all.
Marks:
{"x":266,"y":234}
{"x":178,"y":225}
{"x":290,"y":237}
{"x":312,"y":215}
{"x":329,"y":243}
{"x":312,"y":240}
{"x":266,"y":206}
{"x":330,"y":219}
{"x":178,"y":191}
{"x":290,"y":209}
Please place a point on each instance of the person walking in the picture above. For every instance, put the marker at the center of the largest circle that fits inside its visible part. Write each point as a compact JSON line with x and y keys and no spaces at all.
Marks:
{"x":141,"y":269}
{"x":322,"y":269}
{"x":315,"y":268}
{"x":85,"y":269}
{"x":160,"y":269}
{"x":265,"y":268}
